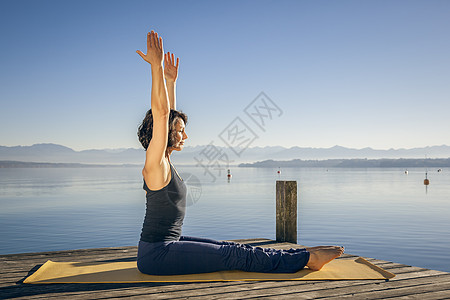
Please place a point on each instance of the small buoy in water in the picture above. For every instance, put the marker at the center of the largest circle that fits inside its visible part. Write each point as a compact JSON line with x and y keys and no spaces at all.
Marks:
{"x":406,"y":172}
{"x":229,"y":174}
{"x":426,"y":181}
{"x":279,"y":171}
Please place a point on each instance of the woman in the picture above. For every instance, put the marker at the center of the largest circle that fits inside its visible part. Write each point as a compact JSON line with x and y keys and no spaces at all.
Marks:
{"x":162,"y":250}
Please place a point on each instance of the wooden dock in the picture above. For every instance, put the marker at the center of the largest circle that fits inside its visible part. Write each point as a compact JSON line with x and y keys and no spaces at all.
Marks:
{"x":410,"y":282}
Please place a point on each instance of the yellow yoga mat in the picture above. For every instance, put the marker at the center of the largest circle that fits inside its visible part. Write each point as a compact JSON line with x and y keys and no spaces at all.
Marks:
{"x":127,"y":272}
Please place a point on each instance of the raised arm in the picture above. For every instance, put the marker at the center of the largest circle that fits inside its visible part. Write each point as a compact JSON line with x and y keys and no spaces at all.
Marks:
{"x":171,"y":75}
{"x":156,"y":150}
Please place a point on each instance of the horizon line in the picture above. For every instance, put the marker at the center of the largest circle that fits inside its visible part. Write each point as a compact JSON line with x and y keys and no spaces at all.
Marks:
{"x":204,"y":145}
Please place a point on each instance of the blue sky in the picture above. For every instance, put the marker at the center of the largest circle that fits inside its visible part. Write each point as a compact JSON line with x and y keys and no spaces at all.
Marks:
{"x":350,"y":73}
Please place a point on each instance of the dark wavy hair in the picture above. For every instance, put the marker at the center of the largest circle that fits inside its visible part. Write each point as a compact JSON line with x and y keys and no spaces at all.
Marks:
{"x":145,"y":130}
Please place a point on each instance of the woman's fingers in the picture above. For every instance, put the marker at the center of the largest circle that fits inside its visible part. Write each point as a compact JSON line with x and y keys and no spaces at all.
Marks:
{"x":154,"y":40}
{"x":157,"y":40}
{"x":169,"y":59}
{"x":140,"y":53}
{"x":155,"y":50}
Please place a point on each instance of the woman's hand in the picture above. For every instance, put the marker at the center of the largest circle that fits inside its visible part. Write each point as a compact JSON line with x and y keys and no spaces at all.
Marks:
{"x":170,"y":69}
{"x":155,"y":51}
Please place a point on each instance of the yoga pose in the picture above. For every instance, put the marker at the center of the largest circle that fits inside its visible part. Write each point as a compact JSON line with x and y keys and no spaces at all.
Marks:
{"x":162,"y":250}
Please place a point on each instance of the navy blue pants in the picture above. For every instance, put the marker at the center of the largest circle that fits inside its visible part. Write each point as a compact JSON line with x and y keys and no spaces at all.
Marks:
{"x":192,"y":255}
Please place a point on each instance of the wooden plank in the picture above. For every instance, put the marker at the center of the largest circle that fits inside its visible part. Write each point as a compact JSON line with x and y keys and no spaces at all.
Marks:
{"x":443,"y":287}
{"x":253,"y":241}
{"x":19,"y":264}
{"x":67,"y":253}
{"x":434,"y":295}
{"x":386,"y":289}
{"x":103,"y":291}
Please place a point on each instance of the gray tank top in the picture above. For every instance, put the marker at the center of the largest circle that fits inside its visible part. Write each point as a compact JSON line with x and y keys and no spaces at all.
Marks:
{"x":165,"y":211}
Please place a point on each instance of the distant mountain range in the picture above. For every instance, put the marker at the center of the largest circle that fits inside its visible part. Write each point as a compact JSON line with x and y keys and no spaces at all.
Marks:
{"x":208,"y":154}
{"x":353,"y":163}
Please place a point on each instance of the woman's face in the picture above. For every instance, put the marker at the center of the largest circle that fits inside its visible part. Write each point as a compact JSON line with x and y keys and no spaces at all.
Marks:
{"x":179,"y":135}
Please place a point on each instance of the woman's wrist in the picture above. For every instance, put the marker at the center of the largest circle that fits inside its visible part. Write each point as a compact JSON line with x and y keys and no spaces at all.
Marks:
{"x":156,"y":66}
{"x":157,"y":70}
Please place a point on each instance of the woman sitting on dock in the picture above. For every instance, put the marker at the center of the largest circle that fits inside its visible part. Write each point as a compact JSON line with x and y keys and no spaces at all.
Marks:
{"x":162,"y":250}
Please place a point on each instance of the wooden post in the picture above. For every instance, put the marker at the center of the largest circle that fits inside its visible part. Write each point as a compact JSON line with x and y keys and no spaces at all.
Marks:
{"x":286,"y":195}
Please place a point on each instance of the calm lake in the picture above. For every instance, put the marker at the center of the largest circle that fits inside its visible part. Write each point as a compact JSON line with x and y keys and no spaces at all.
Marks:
{"x":380,"y":213}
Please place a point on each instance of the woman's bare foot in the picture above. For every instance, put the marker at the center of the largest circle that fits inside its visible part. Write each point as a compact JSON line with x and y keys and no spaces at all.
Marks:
{"x":320,"y":256}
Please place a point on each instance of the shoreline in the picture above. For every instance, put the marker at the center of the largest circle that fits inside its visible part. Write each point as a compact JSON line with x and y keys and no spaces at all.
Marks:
{"x":294,"y":163}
